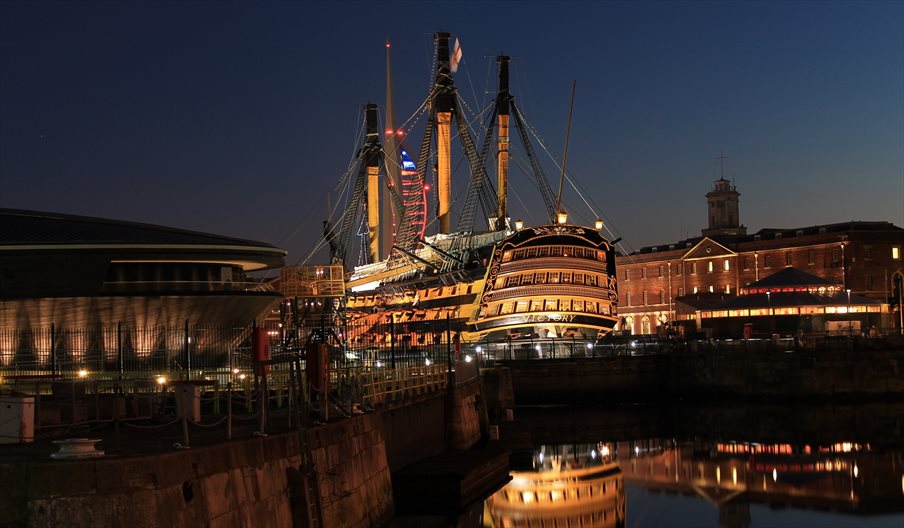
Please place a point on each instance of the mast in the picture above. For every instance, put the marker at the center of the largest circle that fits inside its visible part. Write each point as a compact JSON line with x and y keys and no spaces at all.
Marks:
{"x":444,"y":104}
{"x":389,"y":218}
{"x":503,"y":99}
{"x":372,"y":162}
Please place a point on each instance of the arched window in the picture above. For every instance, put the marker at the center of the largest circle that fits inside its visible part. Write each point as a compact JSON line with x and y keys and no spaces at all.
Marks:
{"x":645,"y":325}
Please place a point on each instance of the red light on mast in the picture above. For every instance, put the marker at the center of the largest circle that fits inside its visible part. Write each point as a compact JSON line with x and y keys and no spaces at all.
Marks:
{"x":400,"y":133}
{"x":388,"y":131}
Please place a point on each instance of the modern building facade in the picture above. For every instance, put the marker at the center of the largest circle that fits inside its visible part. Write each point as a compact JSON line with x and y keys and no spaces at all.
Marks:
{"x":863,"y":257}
{"x":75,"y":286}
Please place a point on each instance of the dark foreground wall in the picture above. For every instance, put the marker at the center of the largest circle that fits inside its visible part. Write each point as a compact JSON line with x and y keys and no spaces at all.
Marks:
{"x":344,"y":481}
{"x":798,"y":374}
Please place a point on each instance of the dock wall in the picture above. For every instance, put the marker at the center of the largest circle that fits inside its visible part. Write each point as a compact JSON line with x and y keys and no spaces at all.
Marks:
{"x":841,"y":374}
{"x":259,"y":481}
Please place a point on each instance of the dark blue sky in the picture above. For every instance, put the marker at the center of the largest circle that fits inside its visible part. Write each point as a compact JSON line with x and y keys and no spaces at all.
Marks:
{"x":237,"y":118}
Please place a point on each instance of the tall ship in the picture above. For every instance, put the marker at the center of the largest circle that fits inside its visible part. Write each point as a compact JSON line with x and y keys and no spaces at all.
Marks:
{"x":500,"y":280}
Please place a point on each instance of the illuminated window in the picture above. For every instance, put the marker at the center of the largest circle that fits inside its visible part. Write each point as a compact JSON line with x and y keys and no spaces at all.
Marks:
{"x":507,"y":308}
{"x":540,"y":278}
{"x":553,"y":278}
{"x":727,"y":288}
{"x":645,"y":298}
{"x":643,"y":273}
{"x":521,"y":306}
{"x":709,"y":266}
{"x":811,"y":257}
{"x":628,"y":298}
{"x":660,"y":270}
{"x":627,"y":277}
{"x":895,"y":253}
{"x":679,"y":269}
{"x":680,"y":291}
{"x":551,"y":305}
{"x":661,"y":297}
{"x":693,"y":268}
{"x":727,"y":265}
{"x":787,"y":258}
{"x":710,"y":289}
{"x":695,"y":289}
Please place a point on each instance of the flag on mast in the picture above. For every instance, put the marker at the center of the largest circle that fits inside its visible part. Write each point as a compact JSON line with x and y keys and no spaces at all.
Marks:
{"x":456,"y":56}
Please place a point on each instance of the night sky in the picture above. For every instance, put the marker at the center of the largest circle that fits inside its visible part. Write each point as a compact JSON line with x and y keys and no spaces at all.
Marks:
{"x":238,"y":118}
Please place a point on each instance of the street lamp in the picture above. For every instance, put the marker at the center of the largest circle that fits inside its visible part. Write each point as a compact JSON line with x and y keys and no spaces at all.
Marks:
{"x":771,"y":312}
{"x":850,"y":330}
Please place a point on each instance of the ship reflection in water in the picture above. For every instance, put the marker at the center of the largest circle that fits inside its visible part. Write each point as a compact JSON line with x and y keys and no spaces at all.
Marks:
{"x":703,"y":483}
{"x":575,"y":485}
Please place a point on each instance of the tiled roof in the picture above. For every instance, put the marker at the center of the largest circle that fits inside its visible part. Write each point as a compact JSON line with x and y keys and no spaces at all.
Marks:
{"x":790,"y":277}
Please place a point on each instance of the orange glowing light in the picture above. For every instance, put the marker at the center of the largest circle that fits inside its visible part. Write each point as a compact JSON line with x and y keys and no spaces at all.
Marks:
{"x":388,"y":131}
{"x":426,"y":187}
{"x":400,"y":133}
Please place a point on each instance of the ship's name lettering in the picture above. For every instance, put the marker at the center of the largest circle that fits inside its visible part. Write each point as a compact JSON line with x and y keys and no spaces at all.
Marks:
{"x":542,"y":318}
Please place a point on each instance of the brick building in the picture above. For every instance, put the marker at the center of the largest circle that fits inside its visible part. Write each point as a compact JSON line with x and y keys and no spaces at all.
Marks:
{"x":863,"y":257}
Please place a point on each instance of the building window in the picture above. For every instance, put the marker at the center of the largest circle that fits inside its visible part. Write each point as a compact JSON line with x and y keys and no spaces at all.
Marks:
{"x":709,"y":266}
{"x":811,"y":257}
{"x":711,"y":289}
{"x":895,"y":253}
{"x":661,"y":297}
{"x":869,"y":282}
{"x":626,"y":276}
{"x":628,"y":298}
{"x":679,"y":269}
{"x":834,"y":255}
{"x":727,"y":289}
{"x":867,"y":252}
{"x":695,"y":289}
{"x":800,"y":232}
{"x":746,"y":263}
{"x":660,"y":270}
{"x":680,"y":291}
{"x":787,"y":258}
{"x":645,"y":300}
{"x":727,"y":265}
{"x":778,"y":236}
{"x":766,"y":260}
{"x":643,"y":273}
{"x":693,"y":268}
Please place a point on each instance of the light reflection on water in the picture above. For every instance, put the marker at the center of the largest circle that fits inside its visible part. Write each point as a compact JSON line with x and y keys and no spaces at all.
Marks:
{"x":725,"y":467}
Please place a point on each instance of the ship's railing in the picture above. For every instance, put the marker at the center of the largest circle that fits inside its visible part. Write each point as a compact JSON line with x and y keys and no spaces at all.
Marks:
{"x":548,"y":290}
{"x":553,"y":263}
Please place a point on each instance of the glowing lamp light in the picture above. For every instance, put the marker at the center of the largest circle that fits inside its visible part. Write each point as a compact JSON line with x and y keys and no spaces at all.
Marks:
{"x":598,"y":224}
{"x":519,"y":225}
{"x":426,"y":187}
{"x":468,"y":358}
{"x":400,"y":133}
{"x":479,"y":349}
{"x":589,"y":346}
{"x":388,"y":131}
{"x":774,"y":475}
{"x":83,"y":373}
{"x":427,"y":362}
{"x":242,"y":376}
{"x":235,"y":371}
{"x":379,"y":364}
{"x":562,"y":217}
{"x":856,"y":471}
{"x":161,"y":380}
